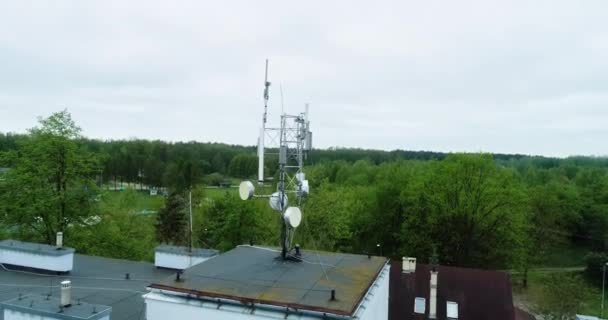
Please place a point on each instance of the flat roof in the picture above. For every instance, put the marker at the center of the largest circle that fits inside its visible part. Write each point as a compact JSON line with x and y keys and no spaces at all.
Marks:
{"x":252,"y":274}
{"x":95,"y":280}
{"x":185,"y":251}
{"x":49,"y":306}
{"x":36,"y":248}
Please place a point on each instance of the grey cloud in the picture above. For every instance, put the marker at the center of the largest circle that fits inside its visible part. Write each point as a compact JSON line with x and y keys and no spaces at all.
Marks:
{"x":499,"y":76}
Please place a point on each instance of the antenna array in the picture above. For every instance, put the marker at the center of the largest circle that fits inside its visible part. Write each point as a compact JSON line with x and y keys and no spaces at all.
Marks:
{"x":290,"y":142}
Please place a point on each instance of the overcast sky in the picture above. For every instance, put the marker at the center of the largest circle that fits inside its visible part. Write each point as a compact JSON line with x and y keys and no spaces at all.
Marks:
{"x":511,"y":76}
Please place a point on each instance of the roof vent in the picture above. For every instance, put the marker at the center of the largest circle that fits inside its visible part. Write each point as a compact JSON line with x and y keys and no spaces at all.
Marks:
{"x":59,"y":240}
{"x":66,"y":293}
{"x":408,"y":265}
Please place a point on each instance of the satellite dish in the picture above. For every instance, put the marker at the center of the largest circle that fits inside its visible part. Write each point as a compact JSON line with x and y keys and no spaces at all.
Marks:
{"x":293,"y":217}
{"x":275,"y":201}
{"x":246,"y":190}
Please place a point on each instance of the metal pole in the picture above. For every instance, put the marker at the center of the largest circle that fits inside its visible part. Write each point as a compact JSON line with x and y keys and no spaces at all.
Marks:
{"x":603,"y":285}
{"x":190,"y":205}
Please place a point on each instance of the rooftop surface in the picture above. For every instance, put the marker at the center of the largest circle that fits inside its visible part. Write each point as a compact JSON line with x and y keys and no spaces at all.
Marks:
{"x":257,"y":275}
{"x":95,"y":280}
{"x":43,"y":306}
{"x":480,"y":294}
{"x":36,"y":248}
{"x":195,"y":252}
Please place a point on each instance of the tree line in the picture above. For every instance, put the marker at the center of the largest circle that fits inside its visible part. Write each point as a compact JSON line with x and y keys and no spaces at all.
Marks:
{"x":161,"y":164}
{"x":473,"y":210}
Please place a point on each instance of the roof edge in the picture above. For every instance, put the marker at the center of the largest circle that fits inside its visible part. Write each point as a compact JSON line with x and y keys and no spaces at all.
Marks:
{"x":249,"y":301}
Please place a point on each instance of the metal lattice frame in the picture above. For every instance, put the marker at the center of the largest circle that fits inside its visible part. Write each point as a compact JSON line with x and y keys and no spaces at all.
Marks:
{"x":288,"y":142}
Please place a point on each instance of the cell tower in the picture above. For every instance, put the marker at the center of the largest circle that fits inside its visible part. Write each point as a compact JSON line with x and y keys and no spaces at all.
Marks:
{"x":291,"y":142}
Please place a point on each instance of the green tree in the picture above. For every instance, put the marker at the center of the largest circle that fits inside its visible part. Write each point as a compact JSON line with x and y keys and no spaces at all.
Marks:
{"x":229,"y":222}
{"x":563,"y":294}
{"x":476,"y":210}
{"x":51,"y":183}
{"x":549,"y":205}
{"x":172,"y":220}
{"x":328,"y":217}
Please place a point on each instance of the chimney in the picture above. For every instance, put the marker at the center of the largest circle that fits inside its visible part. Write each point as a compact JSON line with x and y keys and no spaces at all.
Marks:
{"x":59,"y":240}
{"x":433,"y":295}
{"x":408,"y":265}
{"x":66,"y":293}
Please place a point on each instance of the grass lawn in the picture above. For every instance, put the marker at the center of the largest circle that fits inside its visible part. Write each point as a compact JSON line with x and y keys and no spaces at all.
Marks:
{"x":533,"y":294}
{"x":132,"y":201}
{"x":216,"y":193}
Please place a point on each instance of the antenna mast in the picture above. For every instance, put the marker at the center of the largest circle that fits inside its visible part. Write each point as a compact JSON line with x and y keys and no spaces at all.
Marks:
{"x":291,"y":142}
{"x":263,"y":129}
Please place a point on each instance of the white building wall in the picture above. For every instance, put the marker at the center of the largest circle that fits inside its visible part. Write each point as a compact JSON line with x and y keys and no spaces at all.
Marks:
{"x":62,"y":263}
{"x":176,"y":261}
{"x":10,"y":314}
{"x":161,"y":306}
{"x":375,"y":303}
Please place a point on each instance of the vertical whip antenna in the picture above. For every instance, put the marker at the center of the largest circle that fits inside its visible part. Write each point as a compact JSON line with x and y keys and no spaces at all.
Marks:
{"x":266,"y":93}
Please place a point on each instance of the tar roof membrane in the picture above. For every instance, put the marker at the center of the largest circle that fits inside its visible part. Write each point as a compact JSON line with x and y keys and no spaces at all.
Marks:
{"x":95,"y":280}
{"x":46,"y":306}
{"x":258,"y":275}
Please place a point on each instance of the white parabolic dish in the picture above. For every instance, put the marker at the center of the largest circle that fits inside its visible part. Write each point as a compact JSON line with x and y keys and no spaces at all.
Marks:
{"x":246,"y":190}
{"x":293,"y":216}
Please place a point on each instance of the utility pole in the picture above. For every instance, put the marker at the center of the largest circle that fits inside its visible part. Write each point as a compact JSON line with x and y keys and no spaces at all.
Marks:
{"x":603,"y":285}
{"x":190,"y":245}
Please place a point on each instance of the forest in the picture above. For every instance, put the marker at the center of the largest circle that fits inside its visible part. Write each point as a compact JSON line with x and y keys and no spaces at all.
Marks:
{"x":493,"y":211}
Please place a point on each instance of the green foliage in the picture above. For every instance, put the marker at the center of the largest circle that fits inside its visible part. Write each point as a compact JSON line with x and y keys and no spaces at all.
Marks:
{"x":121,"y":235}
{"x":478,"y":210}
{"x":563,"y":295}
{"x":596,"y":262}
{"x":229,"y":222}
{"x":172,"y":220}
{"x":50,"y":184}
{"x":329,"y":216}
{"x":214,"y":179}
{"x":120,"y":231}
{"x":243,"y":166}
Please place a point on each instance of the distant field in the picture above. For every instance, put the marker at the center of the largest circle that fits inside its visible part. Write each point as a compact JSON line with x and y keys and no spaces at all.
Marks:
{"x":215,"y":193}
{"x":132,"y":201}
